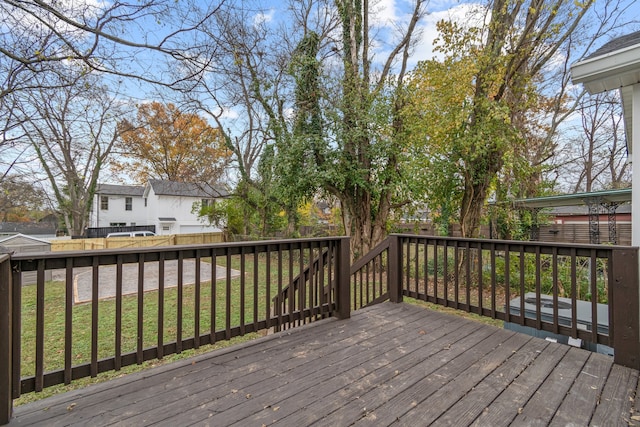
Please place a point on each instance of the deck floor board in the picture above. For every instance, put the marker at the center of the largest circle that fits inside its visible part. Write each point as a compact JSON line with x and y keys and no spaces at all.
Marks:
{"x":390,"y":364}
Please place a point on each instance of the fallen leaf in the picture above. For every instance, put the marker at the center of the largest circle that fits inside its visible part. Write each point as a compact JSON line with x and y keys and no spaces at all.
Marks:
{"x":70,"y":407}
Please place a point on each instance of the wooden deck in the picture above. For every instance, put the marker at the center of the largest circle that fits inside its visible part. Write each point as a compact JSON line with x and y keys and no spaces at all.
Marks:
{"x":389,"y":364}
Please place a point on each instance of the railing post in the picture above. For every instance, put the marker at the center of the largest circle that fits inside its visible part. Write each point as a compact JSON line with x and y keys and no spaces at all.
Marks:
{"x":624,"y":306}
{"x":6,"y":314}
{"x":395,"y":269}
{"x":343,"y":279}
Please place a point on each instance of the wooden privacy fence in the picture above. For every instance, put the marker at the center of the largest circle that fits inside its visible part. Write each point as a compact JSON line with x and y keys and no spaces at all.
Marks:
{"x":136,"y":242}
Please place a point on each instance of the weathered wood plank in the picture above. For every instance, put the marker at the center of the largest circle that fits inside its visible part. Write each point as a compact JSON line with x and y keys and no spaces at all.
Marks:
{"x":345,"y":364}
{"x":543,"y":404}
{"x":506,"y":406}
{"x":232,"y":386}
{"x":388,"y":364}
{"x":490,"y":352}
{"x":469,"y":407}
{"x":615,"y":404}
{"x":429,"y":408}
{"x":302,"y":409}
{"x":584,"y":393}
{"x":450,"y":361}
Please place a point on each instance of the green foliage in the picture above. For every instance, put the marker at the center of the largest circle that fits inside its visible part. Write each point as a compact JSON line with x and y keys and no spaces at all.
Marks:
{"x":477,"y":117}
{"x":545,"y":271}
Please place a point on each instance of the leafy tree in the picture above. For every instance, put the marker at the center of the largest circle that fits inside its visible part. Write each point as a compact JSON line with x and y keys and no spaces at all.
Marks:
{"x":493,"y":105}
{"x":255,"y":72}
{"x":19,"y":198}
{"x":165,"y":143}
{"x":362,"y":166}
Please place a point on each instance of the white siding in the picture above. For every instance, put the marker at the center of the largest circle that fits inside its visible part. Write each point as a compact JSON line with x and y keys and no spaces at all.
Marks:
{"x":117,"y":212}
{"x":178,"y":207}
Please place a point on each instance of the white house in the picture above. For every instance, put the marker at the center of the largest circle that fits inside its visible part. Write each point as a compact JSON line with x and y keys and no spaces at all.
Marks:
{"x":165,"y":204}
{"x":118,"y":205}
{"x":170,"y":205}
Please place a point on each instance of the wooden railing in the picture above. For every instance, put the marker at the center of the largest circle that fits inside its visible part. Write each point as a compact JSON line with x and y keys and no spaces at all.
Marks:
{"x":369,"y":278}
{"x":586,"y":292}
{"x":108,"y":309}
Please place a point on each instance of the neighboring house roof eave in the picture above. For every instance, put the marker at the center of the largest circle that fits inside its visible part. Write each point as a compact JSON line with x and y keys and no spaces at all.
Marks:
{"x":186,"y":189}
{"x":120,"y":190}
{"x":606,"y":196}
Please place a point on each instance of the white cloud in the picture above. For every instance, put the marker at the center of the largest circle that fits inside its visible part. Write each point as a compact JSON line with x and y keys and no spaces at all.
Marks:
{"x":264,"y":17}
{"x":384,"y":13}
{"x":229,"y":114}
{"x":465,"y":14}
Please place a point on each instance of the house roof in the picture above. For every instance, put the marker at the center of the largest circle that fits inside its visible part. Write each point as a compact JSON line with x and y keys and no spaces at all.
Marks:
{"x":22,"y":239}
{"x":120,"y":190}
{"x":576,"y":199}
{"x":617,"y":44}
{"x":186,"y":189}
{"x":616,"y":65}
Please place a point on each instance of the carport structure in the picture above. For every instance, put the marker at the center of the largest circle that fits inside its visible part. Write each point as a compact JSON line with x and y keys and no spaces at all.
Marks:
{"x":609,"y":200}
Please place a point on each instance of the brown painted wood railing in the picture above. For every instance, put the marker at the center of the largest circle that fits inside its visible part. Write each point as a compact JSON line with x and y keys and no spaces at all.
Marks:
{"x":563,"y":289}
{"x":273,"y":284}
{"x":134,"y":305}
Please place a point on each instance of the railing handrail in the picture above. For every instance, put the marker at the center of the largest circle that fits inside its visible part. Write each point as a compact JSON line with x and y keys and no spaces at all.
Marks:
{"x":164,"y":249}
{"x":390,"y":263}
{"x":525,"y":243}
{"x":369,"y":256}
{"x":328,"y":268}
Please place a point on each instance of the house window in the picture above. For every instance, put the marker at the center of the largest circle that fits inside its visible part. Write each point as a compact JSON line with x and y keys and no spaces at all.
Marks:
{"x":128,"y":203}
{"x":145,"y":202}
{"x":205,"y":203}
{"x":104,"y":203}
{"x":117,"y":224}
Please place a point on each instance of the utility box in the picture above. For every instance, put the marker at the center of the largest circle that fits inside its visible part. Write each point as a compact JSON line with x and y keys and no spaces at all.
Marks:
{"x":583,"y":318}
{"x":21,"y":243}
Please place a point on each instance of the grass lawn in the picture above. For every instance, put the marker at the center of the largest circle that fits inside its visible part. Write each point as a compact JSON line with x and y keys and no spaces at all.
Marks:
{"x":259,"y":291}
{"x":240,"y":305}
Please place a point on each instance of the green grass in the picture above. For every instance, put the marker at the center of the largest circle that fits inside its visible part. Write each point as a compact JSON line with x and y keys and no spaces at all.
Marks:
{"x":54,"y":320}
{"x":456,"y":312}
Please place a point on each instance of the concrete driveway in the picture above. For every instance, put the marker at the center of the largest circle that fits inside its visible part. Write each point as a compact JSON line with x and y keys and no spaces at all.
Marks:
{"x":82,"y":278}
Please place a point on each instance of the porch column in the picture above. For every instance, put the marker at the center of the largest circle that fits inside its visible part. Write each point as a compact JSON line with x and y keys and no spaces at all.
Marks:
{"x":635,"y":164}
{"x":635,"y":174}
{"x":6,"y":328}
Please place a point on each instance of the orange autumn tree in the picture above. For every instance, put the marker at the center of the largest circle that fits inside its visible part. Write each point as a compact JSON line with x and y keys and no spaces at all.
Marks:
{"x":165,"y":143}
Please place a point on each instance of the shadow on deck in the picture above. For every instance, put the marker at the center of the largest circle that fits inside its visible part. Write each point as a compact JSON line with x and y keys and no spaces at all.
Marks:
{"x":388,"y":364}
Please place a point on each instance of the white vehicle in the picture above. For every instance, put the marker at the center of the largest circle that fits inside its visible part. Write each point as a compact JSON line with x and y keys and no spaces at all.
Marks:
{"x":132,"y":234}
